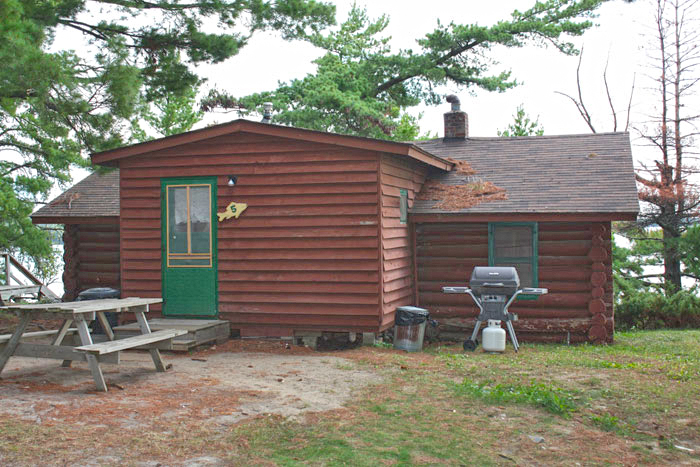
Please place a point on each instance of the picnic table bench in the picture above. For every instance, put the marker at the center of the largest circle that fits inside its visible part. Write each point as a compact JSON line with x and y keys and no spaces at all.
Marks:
{"x":4,"y":338}
{"x":82,"y":313}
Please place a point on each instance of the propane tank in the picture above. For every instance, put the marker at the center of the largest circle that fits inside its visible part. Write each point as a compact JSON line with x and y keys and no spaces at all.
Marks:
{"x":494,"y":337}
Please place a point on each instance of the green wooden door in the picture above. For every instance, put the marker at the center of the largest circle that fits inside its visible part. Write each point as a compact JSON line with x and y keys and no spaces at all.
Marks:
{"x":189,"y":246}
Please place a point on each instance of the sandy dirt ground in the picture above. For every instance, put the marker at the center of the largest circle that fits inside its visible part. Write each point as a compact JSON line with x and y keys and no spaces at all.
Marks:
{"x":222,"y":385}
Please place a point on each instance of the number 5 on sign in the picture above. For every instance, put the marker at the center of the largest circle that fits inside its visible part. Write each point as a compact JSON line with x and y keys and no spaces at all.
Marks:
{"x":232,"y":210}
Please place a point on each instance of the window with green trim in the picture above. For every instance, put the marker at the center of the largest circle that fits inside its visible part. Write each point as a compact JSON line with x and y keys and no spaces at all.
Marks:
{"x":403,"y":206}
{"x":515,"y":244}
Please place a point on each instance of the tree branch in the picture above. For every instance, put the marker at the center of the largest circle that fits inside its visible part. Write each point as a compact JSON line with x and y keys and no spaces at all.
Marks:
{"x":141,"y":4}
{"x":629,"y":104}
{"x":579,"y":103}
{"x":441,"y":60}
{"x":607,"y":92}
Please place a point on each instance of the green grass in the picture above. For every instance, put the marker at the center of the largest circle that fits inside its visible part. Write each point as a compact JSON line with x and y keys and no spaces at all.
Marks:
{"x":552,"y":399}
{"x":383,"y":345}
{"x":627,"y":403}
{"x":398,"y":430}
{"x":606,"y":421}
{"x":457,"y":407}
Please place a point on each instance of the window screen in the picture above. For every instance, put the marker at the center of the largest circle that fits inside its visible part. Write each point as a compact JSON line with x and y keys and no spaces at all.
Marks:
{"x":515,"y":244}
{"x":403,"y":206}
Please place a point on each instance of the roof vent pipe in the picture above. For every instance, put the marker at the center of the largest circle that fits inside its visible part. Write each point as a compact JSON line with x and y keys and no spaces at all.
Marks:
{"x":267,"y":112}
{"x":454,"y":100}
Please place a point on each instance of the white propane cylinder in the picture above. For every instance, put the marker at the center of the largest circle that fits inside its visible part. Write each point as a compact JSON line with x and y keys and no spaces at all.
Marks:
{"x":494,"y":337}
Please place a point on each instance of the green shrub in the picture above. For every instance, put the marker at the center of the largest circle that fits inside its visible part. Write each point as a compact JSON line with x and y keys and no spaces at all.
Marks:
{"x":653,"y":310}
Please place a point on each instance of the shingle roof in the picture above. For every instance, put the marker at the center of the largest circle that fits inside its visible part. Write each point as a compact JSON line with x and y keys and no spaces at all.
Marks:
{"x":95,"y":196}
{"x":541,"y":174}
{"x":590,"y":173}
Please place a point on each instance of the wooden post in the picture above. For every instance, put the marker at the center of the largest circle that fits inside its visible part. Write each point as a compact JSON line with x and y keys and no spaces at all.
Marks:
{"x":71,"y":261}
{"x":6,"y":256}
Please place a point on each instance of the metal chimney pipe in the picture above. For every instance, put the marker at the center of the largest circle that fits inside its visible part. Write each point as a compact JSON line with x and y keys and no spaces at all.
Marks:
{"x":267,"y":112}
{"x":454,"y":100}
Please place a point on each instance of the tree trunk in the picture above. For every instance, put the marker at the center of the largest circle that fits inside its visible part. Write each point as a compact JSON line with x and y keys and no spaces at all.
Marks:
{"x":672,"y":262}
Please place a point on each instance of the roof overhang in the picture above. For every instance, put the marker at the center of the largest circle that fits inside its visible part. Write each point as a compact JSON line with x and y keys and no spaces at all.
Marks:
{"x":75,"y":220}
{"x":525,"y":217}
{"x":112,"y":157}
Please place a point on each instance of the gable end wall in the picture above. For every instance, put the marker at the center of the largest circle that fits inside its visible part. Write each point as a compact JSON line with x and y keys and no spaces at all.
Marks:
{"x":305,"y":253}
{"x":397,"y":269}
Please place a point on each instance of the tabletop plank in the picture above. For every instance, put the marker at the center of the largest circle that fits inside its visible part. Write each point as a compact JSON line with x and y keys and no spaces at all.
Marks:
{"x":87,"y":306}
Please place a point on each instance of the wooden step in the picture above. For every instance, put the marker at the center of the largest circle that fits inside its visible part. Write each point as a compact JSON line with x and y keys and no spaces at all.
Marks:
{"x":183,"y":345}
{"x":198,"y":331}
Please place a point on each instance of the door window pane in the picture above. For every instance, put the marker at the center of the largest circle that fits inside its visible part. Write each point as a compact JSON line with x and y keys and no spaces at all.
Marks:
{"x":200,"y":219}
{"x":177,"y":219}
{"x":189,"y":225}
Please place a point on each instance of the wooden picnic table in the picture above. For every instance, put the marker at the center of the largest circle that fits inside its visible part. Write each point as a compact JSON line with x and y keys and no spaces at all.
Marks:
{"x":8,"y":292}
{"x":82,"y":313}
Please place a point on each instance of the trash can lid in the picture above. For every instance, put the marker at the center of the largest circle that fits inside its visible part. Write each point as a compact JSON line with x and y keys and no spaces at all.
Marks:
{"x":409,"y":315}
{"x":413,"y":309}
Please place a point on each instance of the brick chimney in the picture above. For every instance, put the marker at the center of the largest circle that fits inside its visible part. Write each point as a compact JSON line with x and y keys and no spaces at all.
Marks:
{"x":456,"y":121}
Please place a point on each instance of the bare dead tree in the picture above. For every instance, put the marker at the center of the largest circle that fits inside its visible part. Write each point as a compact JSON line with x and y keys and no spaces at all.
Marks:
{"x":671,"y":199}
{"x":581,"y":106}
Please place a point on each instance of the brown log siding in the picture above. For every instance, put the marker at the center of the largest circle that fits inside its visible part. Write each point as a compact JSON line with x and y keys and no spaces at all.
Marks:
{"x":447,"y":252}
{"x":305,"y":253}
{"x":91,"y":257}
{"x":397,"y":271}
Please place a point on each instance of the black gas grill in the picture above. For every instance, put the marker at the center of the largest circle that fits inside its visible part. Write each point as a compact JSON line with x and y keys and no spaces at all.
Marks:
{"x":493,"y":290}
{"x":494,"y":280}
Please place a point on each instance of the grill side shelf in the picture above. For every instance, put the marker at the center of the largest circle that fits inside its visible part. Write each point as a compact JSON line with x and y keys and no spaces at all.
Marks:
{"x":456,"y":290}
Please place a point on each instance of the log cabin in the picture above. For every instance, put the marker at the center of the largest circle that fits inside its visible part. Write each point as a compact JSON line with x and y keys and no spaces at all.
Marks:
{"x":284,"y":231}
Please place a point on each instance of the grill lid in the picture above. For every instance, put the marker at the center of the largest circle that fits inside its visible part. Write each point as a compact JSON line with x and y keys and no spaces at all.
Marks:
{"x":494,"y":279}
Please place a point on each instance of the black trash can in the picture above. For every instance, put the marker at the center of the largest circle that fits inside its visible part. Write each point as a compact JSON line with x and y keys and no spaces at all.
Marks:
{"x":100,"y":293}
{"x":409,"y":328}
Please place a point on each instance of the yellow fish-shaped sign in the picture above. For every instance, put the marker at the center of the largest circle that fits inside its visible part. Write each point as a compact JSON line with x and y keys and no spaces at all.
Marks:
{"x":232,"y":210}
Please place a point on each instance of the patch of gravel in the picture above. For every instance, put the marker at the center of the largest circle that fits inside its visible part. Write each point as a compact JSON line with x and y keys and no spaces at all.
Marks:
{"x":224,"y":389}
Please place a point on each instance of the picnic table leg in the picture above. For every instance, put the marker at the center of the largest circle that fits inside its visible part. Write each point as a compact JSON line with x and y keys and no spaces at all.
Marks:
{"x":14,"y":340}
{"x":94,"y":365}
{"x":58,"y":340}
{"x":105,"y":325}
{"x":146,"y":329}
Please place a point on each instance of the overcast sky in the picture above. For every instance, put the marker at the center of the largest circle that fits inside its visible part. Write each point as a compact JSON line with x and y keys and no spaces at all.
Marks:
{"x":267,"y":60}
{"x":622,"y":37}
